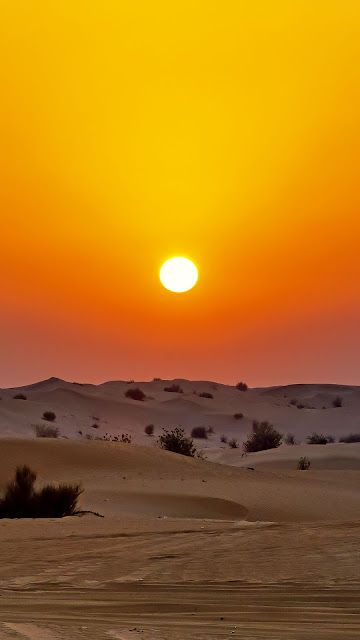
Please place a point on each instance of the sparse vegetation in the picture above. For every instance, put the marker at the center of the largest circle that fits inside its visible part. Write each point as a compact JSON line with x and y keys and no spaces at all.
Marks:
{"x":199,"y":432}
{"x":95,"y":426}
{"x":233,"y":443}
{"x":156,"y":379}
{"x":337,"y":402}
{"x":290,"y":439}
{"x":331,"y":439}
{"x":352,"y":437}
{"x":22,"y":501}
{"x":205,"y":394}
{"x":304,"y":463}
{"x":46,"y":431}
{"x":135,"y":394}
{"x":149,"y":429}
{"x":223,"y":439}
{"x":242,"y":386}
{"x":263,"y":437}
{"x":300,"y":405}
{"x":294,"y":402}
{"x":19,"y":396}
{"x":177,"y":442}
{"x":318,"y":438}
{"x":174,"y":388}
{"x":238,"y":416}
{"x":50,"y":416}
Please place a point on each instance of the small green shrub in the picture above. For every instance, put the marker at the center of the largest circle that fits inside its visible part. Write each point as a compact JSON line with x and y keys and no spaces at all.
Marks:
{"x":337,"y":402}
{"x":135,"y":394}
{"x":177,"y":442}
{"x":19,"y":396}
{"x":303,"y":464}
{"x":263,"y":437}
{"x":199,"y":432}
{"x":242,"y":386}
{"x":174,"y":388}
{"x":317,"y":438}
{"x":352,"y":437}
{"x":50,"y":416}
{"x":46,"y":431}
{"x":149,"y":430}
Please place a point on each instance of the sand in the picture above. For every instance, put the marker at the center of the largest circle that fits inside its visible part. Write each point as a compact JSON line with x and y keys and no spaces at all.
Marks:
{"x":188,"y":549}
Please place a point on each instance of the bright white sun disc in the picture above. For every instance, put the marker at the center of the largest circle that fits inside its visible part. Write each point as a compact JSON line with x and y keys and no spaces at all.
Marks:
{"x":178,"y":274}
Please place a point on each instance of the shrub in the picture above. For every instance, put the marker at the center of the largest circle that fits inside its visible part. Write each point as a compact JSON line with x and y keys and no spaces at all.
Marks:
{"x":352,"y":437}
{"x":233,"y":443}
{"x":50,"y":416}
{"x":149,"y":430}
{"x":95,"y":426}
{"x":125,"y":437}
{"x":174,"y":388}
{"x":317,"y":438}
{"x":223,"y":439}
{"x":337,"y":402}
{"x":294,"y":402}
{"x":135,"y":394}
{"x":19,"y":396}
{"x":46,"y":431}
{"x":290,"y":439}
{"x":199,"y":432}
{"x":304,"y":463}
{"x":177,"y":442}
{"x":300,"y":406}
{"x":22,"y":501}
{"x":205,"y":394}
{"x":263,"y":437}
{"x":242,"y":386}
{"x":156,"y":379}
{"x":331,"y":439}
{"x":238,"y":416}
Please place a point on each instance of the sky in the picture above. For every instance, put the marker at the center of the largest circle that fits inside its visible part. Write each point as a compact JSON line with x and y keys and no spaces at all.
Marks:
{"x":225,"y":132}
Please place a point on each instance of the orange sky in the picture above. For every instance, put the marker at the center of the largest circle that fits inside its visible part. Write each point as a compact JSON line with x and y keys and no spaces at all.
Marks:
{"x":227,"y":132}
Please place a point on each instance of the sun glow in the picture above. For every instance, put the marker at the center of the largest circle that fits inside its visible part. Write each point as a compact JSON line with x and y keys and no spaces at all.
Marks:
{"x":178,"y":274}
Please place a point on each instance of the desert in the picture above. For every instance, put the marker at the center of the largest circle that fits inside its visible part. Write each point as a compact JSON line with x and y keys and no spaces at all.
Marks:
{"x":230,"y":545}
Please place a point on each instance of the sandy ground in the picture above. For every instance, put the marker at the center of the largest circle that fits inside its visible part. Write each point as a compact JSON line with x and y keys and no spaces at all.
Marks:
{"x":188,"y":549}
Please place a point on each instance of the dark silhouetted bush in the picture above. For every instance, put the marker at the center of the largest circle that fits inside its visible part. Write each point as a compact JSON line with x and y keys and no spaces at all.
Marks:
{"x":352,"y":437}
{"x":294,"y":402}
{"x":264,"y":436}
{"x":317,"y":438}
{"x":22,"y":501}
{"x":177,"y":442}
{"x":135,"y":394}
{"x":233,"y":443}
{"x":46,"y":431}
{"x":19,"y":396}
{"x":290,"y":439}
{"x":156,"y":379}
{"x":304,"y":463}
{"x":223,"y":439}
{"x":205,"y":394}
{"x":300,"y":405}
{"x":174,"y":388}
{"x":199,"y":432}
{"x":49,"y":416}
{"x":242,"y":386}
{"x":238,"y":416}
{"x":95,"y":426}
{"x":331,"y":439}
{"x":149,"y":430}
{"x":337,"y":402}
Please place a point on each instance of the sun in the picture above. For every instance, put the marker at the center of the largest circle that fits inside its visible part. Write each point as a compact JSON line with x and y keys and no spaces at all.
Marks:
{"x":178,"y":274}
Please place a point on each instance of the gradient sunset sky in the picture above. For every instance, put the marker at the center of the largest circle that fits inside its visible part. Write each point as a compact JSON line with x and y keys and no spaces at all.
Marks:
{"x":226,"y":132}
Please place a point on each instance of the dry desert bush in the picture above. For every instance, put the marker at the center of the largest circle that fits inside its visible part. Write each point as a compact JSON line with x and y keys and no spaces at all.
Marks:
{"x":19,"y":396}
{"x":233,"y":443}
{"x":352,"y":437}
{"x":174,"y":388}
{"x":205,"y":394}
{"x":50,"y":416}
{"x":149,"y":429}
{"x":177,"y":442}
{"x":21,"y":500}
{"x":242,"y":386}
{"x":135,"y":394}
{"x":199,"y":432}
{"x":46,"y":431}
{"x":304,"y":463}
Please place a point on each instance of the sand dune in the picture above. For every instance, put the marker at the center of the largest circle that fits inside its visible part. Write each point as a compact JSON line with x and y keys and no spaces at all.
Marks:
{"x":79,"y":406}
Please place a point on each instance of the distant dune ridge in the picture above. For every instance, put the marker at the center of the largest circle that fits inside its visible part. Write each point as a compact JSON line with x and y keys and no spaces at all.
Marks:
{"x":299,"y":409}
